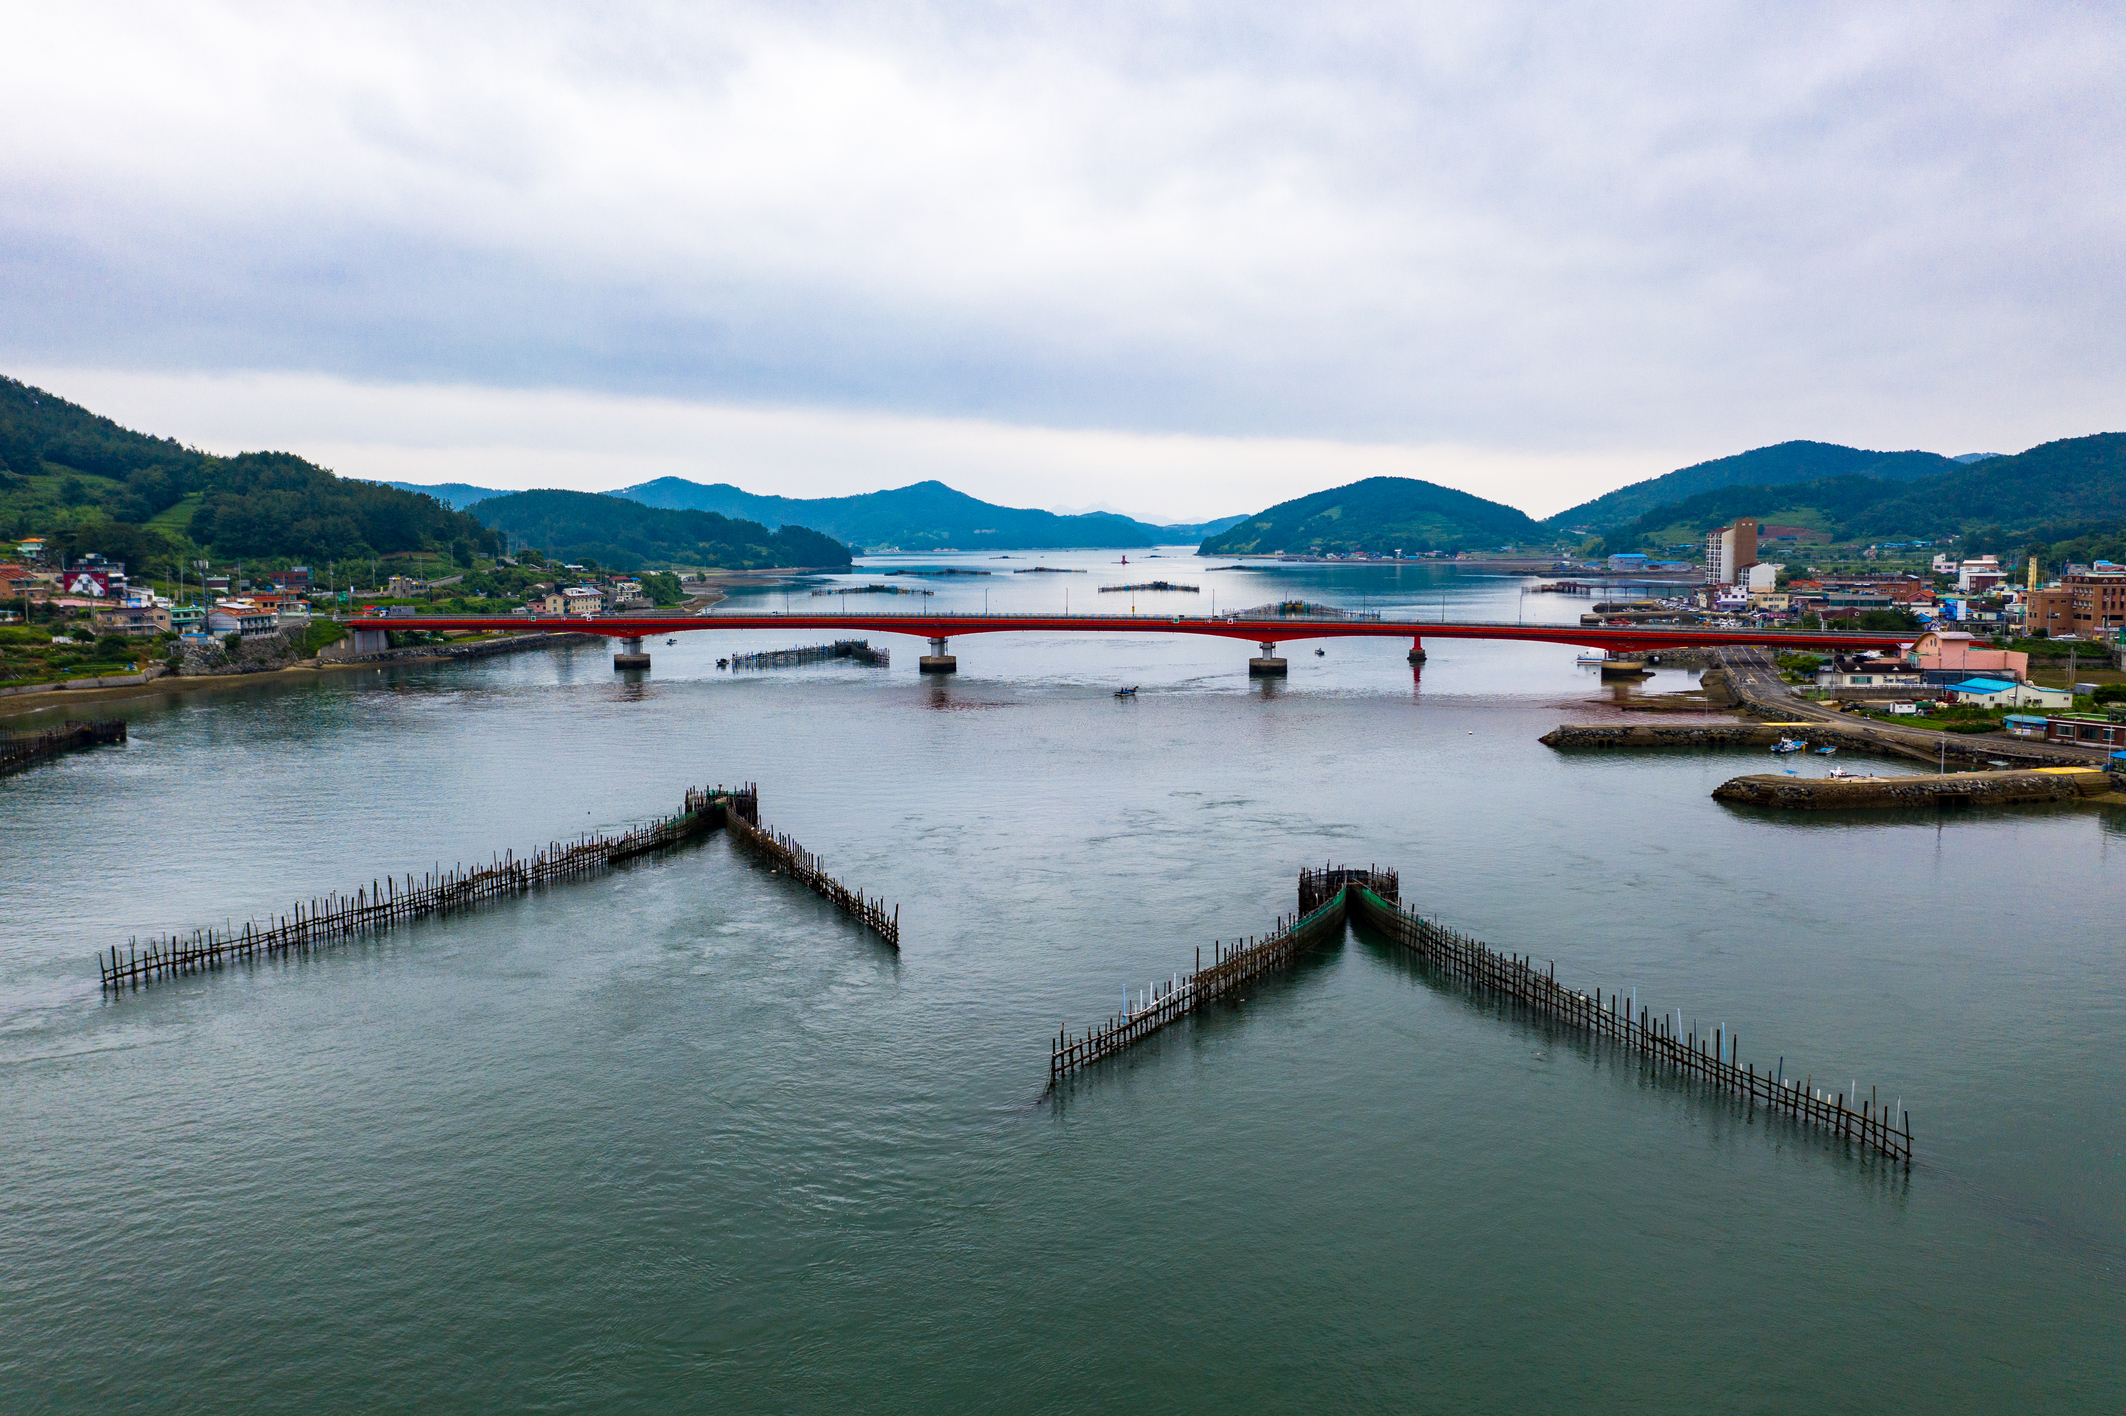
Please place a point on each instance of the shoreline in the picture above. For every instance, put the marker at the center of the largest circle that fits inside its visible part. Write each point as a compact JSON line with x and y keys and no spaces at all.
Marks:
{"x":25,"y":704}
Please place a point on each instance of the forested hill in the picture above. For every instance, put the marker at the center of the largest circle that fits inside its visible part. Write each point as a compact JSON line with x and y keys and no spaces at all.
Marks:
{"x":2058,"y":491}
{"x":90,"y":484}
{"x":626,"y":535}
{"x":1760,"y":467}
{"x":921,"y":516}
{"x":1379,"y":514}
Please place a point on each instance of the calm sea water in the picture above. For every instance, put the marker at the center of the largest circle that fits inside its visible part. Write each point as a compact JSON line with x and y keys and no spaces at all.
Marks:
{"x":683,"y":1139}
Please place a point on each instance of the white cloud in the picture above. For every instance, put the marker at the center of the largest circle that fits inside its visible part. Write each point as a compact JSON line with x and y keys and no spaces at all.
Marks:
{"x":1535,"y":233}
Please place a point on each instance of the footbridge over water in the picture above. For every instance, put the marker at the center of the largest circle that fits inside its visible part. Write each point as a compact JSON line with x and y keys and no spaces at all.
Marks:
{"x":1266,"y":633}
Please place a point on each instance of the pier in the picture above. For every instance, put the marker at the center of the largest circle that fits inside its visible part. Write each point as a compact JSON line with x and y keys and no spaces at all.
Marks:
{"x":1333,"y":895}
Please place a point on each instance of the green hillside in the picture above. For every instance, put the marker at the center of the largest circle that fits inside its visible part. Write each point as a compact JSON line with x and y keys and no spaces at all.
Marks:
{"x":2073,"y":490}
{"x":1773,"y":466}
{"x":626,"y":535}
{"x":86,"y":483}
{"x":1379,"y":514}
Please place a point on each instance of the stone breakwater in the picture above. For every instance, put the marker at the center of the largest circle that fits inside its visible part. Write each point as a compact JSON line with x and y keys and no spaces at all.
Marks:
{"x":1953,"y":789}
{"x":1574,"y":735}
{"x":1816,"y":733}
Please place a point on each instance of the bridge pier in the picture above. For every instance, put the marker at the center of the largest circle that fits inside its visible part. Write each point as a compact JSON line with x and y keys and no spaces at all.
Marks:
{"x":631,"y":655}
{"x":937,"y":661}
{"x":1267,"y":664}
{"x":1417,"y":650}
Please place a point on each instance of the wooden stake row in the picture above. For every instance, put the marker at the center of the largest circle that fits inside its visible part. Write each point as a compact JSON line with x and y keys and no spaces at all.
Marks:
{"x":858,"y":649}
{"x":1232,"y":967}
{"x":383,"y":903}
{"x":1885,"y":1130}
{"x":787,"y":855}
{"x":21,"y":749}
{"x":1327,"y":896}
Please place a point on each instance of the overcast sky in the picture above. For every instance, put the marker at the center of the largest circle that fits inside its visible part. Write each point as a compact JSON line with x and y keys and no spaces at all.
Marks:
{"x":1185,"y":260}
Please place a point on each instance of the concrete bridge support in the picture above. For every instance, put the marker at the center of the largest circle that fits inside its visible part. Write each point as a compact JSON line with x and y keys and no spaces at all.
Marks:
{"x":631,"y":655}
{"x":1417,"y":651}
{"x":937,"y":661}
{"x":1267,"y":664}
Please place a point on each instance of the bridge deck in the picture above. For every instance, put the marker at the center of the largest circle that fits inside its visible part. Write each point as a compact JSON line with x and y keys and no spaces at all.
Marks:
{"x":1632,"y":638}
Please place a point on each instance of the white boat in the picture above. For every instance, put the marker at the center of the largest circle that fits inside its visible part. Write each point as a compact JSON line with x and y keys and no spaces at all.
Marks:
{"x":1787,"y":744}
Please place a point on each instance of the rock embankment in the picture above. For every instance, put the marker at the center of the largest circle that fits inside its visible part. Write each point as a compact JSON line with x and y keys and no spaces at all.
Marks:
{"x":258,"y":654}
{"x":1573,"y":735}
{"x":1954,"y":789}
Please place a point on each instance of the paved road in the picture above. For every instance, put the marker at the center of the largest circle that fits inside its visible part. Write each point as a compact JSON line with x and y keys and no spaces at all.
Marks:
{"x":1760,"y":686}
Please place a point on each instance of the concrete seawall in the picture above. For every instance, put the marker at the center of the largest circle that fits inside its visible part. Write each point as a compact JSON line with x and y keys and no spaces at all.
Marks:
{"x":1954,"y":789}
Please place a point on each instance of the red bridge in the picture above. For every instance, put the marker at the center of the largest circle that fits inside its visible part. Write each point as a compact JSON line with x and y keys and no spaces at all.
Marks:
{"x":1267,"y":634}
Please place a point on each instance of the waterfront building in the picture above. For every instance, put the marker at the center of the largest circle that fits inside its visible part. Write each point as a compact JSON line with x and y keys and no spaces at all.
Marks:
{"x":2004,"y":693}
{"x":2086,"y":730}
{"x":243,"y":617}
{"x":138,"y":621}
{"x":1842,"y":673}
{"x":2096,"y":601}
{"x":1947,"y":656}
{"x":1979,"y":574}
{"x":1729,"y":550}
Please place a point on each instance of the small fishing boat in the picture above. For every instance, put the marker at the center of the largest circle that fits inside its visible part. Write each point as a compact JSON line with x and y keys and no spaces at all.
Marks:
{"x":1130,"y":692}
{"x":723,"y":663}
{"x":1318,"y":653}
{"x":1830,"y":751}
{"x":670,"y":642}
{"x":1787,"y":744}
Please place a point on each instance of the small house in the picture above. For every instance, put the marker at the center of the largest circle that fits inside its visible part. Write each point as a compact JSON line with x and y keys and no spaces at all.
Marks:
{"x":2086,"y":730}
{"x":2004,"y":693}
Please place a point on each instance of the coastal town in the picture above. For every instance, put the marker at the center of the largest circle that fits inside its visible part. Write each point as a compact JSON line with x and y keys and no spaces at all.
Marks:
{"x":88,"y":623}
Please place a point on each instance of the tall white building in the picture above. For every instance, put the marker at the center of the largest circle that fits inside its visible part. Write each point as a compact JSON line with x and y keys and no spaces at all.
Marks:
{"x":1729,"y":551}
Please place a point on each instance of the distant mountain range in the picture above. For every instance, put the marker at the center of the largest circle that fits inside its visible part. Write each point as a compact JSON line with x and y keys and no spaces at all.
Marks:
{"x":2071,"y":490}
{"x":455,"y":495}
{"x":923,"y":516}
